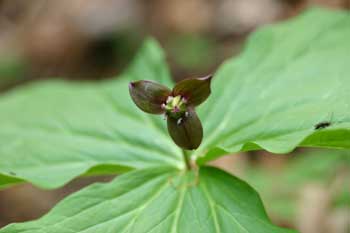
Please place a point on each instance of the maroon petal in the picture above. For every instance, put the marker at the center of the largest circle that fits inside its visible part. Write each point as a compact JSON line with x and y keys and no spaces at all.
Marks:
{"x":187,"y":132}
{"x":149,"y":96}
{"x":196,"y":90}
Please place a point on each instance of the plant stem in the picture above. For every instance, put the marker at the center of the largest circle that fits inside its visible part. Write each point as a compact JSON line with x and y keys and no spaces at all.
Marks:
{"x":187,"y":159}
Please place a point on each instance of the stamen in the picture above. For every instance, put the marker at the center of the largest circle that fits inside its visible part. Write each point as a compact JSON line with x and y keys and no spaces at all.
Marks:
{"x":176,"y":109}
{"x":169,"y":99}
{"x":174,"y":106}
{"x":179,"y":121}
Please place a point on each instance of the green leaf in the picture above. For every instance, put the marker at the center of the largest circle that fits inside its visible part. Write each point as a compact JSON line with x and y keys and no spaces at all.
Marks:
{"x":280,"y":189}
{"x":7,"y":181}
{"x":158,"y":200}
{"x":290,"y":77}
{"x":54,"y":131}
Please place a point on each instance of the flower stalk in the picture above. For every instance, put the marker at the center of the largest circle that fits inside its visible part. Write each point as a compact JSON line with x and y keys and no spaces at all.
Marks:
{"x":187,"y":160}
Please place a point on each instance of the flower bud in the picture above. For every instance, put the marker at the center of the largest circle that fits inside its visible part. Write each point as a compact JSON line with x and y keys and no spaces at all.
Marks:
{"x":187,"y":131}
{"x":195,"y":90}
{"x":149,"y":96}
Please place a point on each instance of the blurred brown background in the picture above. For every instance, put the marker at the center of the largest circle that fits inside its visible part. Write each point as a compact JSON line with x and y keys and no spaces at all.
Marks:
{"x":85,"y":40}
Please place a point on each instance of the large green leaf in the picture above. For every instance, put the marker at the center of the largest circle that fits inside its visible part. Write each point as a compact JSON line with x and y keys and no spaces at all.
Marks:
{"x":280,"y":189}
{"x":53,"y":131}
{"x":158,"y":200}
{"x":290,"y":77}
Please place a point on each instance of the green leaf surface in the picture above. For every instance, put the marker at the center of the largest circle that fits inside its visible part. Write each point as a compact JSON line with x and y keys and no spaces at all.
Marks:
{"x":158,"y":200}
{"x":290,"y":77}
{"x":53,"y":131}
{"x":280,"y":188}
{"x":7,"y":181}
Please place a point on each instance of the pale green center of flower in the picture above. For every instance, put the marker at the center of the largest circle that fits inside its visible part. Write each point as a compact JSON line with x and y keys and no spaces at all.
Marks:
{"x":175,"y":106}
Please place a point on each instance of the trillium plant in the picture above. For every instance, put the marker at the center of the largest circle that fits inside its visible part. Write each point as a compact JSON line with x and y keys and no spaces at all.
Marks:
{"x":275,"y":96}
{"x":178,"y":106}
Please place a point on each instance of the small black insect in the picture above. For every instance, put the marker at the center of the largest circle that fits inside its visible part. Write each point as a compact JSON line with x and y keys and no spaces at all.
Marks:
{"x":322,"y":125}
{"x":12,"y":173}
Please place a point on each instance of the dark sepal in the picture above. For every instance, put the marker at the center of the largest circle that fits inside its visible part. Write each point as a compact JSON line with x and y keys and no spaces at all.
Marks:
{"x":187,"y":131}
{"x":149,"y":96}
{"x":195,"y":90}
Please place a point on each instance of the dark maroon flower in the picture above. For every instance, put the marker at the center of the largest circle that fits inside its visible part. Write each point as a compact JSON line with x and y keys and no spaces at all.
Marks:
{"x":178,"y":105}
